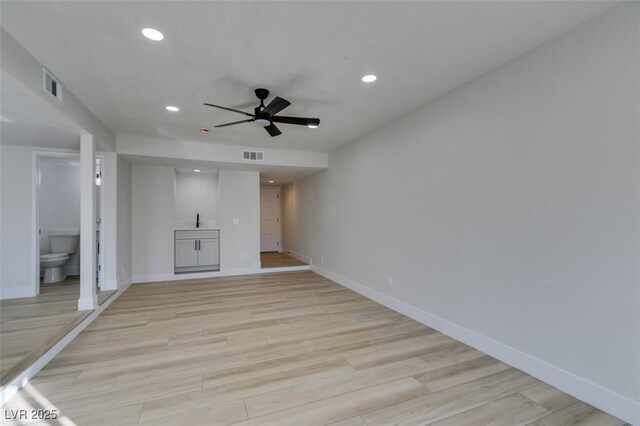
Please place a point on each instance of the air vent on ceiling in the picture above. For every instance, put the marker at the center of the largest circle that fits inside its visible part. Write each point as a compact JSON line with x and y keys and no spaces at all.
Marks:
{"x":51,"y":84}
{"x":253,"y":155}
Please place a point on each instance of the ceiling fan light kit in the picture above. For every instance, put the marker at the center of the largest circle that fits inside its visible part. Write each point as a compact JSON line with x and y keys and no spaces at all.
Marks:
{"x":262,"y":122}
{"x":265,"y":116}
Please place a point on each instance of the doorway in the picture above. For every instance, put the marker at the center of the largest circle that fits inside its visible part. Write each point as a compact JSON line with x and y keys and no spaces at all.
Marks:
{"x":270,"y":229}
{"x":50,"y":205}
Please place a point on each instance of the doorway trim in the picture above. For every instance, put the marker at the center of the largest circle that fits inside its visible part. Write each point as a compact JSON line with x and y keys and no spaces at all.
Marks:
{"x":103,"y":192}
{"x":279,"y":214}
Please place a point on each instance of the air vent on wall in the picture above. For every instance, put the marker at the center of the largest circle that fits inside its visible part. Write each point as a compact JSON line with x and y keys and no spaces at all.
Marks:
{"x":253,"y":155}
{"x":51,"y":84}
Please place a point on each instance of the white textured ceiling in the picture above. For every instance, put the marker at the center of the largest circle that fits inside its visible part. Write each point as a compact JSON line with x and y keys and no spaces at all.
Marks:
{"x":311,"y":53}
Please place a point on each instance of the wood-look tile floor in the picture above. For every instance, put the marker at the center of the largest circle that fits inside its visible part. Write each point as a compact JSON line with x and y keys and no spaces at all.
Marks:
{"x":30,"y":326}
{"x":280,"y":349}
{"x":274,"y":259}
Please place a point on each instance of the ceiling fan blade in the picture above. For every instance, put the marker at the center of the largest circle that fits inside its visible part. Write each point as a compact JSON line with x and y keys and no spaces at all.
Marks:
{"x":273,"y":130}
{"x":229,"y":109}
{"x":303,"y":121}
{"x":235,"y":122}
{"x":276,"y":105}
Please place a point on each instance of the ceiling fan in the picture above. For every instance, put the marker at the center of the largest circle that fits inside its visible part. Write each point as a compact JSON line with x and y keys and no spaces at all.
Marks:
{"x":265,"y":116}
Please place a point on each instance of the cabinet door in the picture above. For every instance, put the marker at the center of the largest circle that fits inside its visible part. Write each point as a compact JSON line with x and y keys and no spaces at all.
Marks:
{"x":208,"y":253}
{"x":186,"y":253}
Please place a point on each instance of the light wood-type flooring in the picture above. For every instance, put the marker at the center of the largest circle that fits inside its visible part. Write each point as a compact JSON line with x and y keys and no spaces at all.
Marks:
{"x":281,"y":349}
{"x":274,"y":259}
{"x":31,"y":326}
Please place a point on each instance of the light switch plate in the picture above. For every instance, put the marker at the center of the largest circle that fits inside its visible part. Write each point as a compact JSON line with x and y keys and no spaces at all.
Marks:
{"x":235,"y":221}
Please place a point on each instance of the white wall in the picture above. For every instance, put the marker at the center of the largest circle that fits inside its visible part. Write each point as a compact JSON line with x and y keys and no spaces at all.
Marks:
{"x":124,"y":229}
{"x":15,"y":226}
{"x":16,"y":223}
{"x":59,"y":205}
{"x":228,"y":154}
{"x":152,"y":220}
{"x":507,"y":212}
{"x":239,"y":199}
{"x":196,"y":193}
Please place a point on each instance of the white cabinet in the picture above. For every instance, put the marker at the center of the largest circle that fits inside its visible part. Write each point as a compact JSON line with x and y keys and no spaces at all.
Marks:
{"x":197,"y":250}
{"x":208,"y":251}
{"x":186,"y":253}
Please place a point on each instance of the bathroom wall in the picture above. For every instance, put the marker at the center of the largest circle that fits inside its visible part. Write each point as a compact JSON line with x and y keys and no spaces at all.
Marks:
{"x":60,"y":203}
{"x":196,"y":193}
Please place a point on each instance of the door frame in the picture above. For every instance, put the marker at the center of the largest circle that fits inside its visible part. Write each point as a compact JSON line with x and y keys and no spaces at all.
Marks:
{"x":36,"y":155}
{"x":101,"y":213}
{"x":279,"y":213}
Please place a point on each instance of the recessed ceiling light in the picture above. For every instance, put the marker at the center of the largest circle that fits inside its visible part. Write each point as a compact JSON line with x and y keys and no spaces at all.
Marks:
{"x":311,"y":126}
{"x":271,"y":181}
{"x":196,"y":170}
{"x":369,"y":78}
{"x":152,"y":34}
{"x":173,"y":108}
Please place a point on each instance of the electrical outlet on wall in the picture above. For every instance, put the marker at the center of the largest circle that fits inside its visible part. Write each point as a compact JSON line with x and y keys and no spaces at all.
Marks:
{"x":235,"y":221}
{"x":390,"y":282}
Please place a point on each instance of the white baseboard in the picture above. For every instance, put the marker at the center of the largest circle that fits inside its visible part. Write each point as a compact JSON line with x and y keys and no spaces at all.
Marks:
{"x":605,"y":399}
{"x":299,"y":256}
{"x":108,"y":285}
{"x":138,"y":279}
{"x":124,"y":283}
{"x":285,"y":269}
{"x":11,"y":388}
{"x":88,"y":303}
{"x":16,"y":293}
{"x":149,"y":278}
{"x":141,"y":279}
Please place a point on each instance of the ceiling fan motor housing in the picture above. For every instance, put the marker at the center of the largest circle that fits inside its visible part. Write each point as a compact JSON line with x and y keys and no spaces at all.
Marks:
{"x":261,"y":118}
{"x":262,"y":94}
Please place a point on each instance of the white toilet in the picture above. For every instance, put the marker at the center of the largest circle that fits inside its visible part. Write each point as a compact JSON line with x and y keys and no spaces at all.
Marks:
{"x":63,"y":244}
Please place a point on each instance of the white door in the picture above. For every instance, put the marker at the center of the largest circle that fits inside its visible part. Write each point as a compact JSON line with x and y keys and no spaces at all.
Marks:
{"x":186,"y":253}
{"x":208,"y":252}
{"x":269,"y":219}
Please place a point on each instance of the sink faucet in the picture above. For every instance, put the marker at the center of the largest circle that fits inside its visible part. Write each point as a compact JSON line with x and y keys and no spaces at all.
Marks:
{"x":197,"y":220}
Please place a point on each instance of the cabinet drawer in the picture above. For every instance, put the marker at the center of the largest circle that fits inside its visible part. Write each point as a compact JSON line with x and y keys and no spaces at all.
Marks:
{"x":190,"y":235}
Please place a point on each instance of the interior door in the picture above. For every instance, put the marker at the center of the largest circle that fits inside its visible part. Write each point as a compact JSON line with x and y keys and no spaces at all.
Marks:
{"x":269,"y":219}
